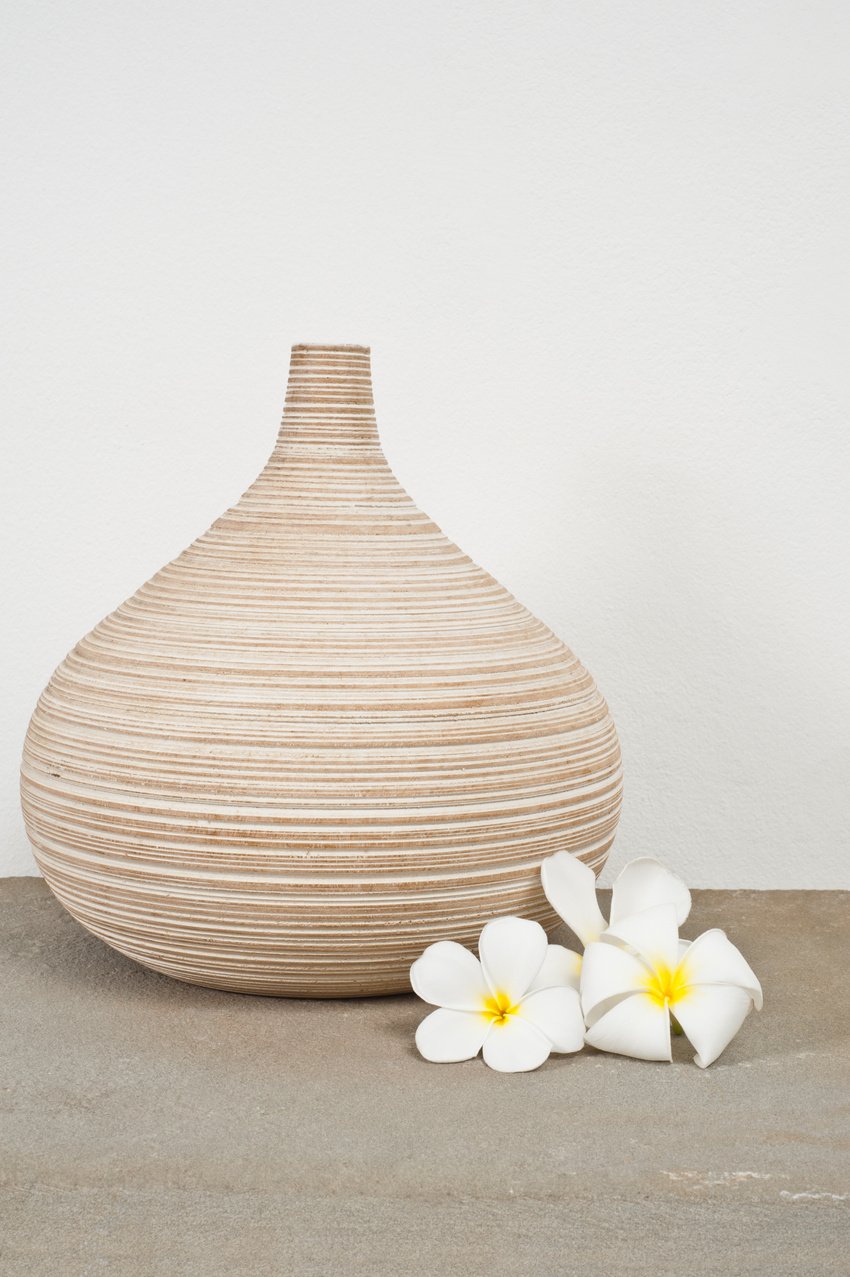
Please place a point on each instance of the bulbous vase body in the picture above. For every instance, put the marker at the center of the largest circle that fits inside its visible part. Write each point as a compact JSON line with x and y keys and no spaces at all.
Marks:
{"x":320,"y":739}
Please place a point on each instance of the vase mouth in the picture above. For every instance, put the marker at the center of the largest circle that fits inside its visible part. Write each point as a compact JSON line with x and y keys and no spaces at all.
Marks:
{"x":331,"y":346}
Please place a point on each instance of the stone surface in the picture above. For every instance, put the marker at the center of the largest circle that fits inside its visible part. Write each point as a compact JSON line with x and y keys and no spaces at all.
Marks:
{"x":149,"y":1127}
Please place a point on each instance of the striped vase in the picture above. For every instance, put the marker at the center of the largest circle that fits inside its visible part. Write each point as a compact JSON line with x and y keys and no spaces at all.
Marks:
{"x":320,"y":739}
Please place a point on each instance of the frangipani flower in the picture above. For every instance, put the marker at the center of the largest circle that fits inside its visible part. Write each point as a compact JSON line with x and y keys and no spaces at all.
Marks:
{"x":638,"y":979}
{"x":519,"y":1002}
{"x":638,"y":975}
{"x":570,"y":888}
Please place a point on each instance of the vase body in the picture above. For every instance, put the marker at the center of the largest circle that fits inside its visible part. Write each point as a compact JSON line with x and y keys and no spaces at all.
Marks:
{"x":319,"y":739}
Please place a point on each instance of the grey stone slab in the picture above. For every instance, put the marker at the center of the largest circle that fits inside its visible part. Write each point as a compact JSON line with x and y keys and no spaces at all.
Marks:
{"x":148,"y":1127}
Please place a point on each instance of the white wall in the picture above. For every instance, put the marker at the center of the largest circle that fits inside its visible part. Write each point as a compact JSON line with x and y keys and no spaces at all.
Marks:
{"x":600,"y":251}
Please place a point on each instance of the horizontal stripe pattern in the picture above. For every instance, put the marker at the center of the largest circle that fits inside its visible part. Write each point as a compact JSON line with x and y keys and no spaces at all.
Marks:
{"x":319,"y":739}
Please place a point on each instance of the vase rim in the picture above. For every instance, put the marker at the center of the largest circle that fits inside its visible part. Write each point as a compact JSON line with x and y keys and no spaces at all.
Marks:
{"x":321,"y":345}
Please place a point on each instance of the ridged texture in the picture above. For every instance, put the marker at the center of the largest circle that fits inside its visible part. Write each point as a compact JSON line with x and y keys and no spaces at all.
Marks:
{"x":320,"y":739}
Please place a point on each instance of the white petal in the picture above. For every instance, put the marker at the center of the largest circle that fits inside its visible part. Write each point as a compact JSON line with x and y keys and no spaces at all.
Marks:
{"x":684,"y":946}
{"x":556,"y":1012}
{"x":645,"y":882}
{"x":635,"y":1026}
{"x":652,"y":933}
{"x":449,"y":976}
{"x":570,"y":888}
{"x":512,"y":951}
{"x":447,"y":1036}
{"x":560,"y":966}
{"x":516,"y":1046}
{"x":713,"y":959}
{"x":609,"y":972}
{"x":711,"y":1015}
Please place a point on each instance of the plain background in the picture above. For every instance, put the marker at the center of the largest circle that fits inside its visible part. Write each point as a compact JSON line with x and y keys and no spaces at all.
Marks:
{"x":600,"y":251}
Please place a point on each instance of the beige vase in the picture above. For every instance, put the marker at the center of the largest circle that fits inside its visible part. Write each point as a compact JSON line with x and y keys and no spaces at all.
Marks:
{"x":320,"y":739}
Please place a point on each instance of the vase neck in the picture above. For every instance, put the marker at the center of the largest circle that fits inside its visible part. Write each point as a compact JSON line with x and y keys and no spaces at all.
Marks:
{"x":329,"y":402}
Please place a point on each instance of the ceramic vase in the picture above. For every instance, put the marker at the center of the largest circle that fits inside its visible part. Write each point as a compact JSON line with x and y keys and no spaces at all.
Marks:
{"x":318,"y":740}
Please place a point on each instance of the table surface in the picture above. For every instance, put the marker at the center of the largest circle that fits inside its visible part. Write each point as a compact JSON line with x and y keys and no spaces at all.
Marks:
{"x":148,"y":1127}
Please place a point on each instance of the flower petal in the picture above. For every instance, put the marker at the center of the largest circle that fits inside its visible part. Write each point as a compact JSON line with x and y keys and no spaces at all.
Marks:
{"x":570,"y":888}
{"x":512,"y":951}
{"x":560,"y":967}
{"x":637,"y":1026}
{"x":645,"y":882}
{"x":711,"y":1015}
{"x":445,"y":1037}
{"x":609,"y":972}
{"x":516,"y":1046}
{"x":713,"y":959}
{"x":556,"y":1012}
{"x":652,"y":933}
{"x":450,"y":976}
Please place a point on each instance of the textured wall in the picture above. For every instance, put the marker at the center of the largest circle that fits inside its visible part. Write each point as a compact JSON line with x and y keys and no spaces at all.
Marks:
{"x":599,"y":253}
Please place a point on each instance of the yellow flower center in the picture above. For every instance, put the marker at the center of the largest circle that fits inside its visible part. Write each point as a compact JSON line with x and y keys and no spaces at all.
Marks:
{"x":667,"y":987}
{"x":499,"y":1008}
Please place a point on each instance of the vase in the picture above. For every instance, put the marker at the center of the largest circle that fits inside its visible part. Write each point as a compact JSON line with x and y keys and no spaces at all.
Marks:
{"x":318,"y":740}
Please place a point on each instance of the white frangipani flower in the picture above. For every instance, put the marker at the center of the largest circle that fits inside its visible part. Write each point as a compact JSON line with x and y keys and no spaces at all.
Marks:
{"x":519,"y":1002}
{"x":570,"y":888}
{"x":637,"y":976}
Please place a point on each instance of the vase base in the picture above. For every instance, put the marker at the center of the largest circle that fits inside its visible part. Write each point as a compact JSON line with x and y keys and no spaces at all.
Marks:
{"x":291,"y":970}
